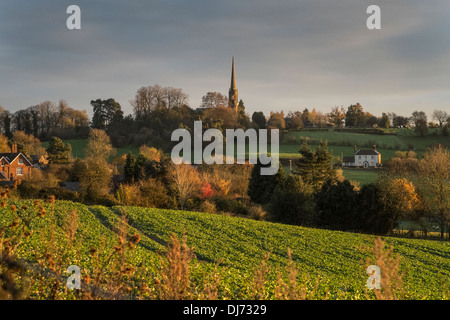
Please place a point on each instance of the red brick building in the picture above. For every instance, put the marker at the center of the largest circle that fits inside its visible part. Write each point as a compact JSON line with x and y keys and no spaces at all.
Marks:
{"x":14,"y":165}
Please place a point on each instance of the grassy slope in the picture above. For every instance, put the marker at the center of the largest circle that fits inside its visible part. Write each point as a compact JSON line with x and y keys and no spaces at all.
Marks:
{"x":337,"y":259}
{"x":343,"y":142}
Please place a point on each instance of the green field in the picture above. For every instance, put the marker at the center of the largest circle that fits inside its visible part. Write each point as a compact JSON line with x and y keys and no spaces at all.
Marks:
{"x":334,"y":262}
{"x":363,"y":176}
{"x":79,"y":145}
{"x":343,"y":142}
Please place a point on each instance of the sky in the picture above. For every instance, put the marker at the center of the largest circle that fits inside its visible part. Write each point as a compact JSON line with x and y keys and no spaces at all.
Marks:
{"x":289,"y":54}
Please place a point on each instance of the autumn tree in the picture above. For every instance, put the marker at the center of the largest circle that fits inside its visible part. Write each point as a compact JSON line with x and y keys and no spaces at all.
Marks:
{"x":28,"y":144}
{"x":294,"y":120}
{"x":151,"y":153}
{"x":435,"y":183}
{"x":277,"y":120}
{"x":221,"y":118}
{"x":4,"y":145}
{"x":398,"y":198}
{"x":95,"y":181}
{"x":337,"y":116}
{"x":99,"y":145}
{"x":186,"y":182}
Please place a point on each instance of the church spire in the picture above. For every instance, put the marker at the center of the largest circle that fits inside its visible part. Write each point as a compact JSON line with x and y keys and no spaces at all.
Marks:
{"x":233,"y":77}
{"x":233,"y":92}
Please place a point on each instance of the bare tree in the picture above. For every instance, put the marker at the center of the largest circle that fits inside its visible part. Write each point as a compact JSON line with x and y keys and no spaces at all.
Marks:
{"x":214,"y":100}
{"x":148,"y":99}
{"x":175,"y":97}
{"x":440,"y":116}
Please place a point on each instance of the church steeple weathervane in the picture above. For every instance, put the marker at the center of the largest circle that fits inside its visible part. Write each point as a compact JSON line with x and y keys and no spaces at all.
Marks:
{"x":233,"y":92}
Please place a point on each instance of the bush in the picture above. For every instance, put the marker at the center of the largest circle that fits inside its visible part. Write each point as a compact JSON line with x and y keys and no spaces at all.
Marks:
{"x":261,"y":187}
{"x":292,"y":202}
{"x":208,"y":207}
{"x":229,"y":205}
{"x":336,"y":206}
{"x":257,"y":212}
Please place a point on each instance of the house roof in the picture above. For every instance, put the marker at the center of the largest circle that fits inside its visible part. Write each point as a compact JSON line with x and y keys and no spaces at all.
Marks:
{"x":10,"y":157}
{"x":3,"y":176}
{"x":367,"y":152}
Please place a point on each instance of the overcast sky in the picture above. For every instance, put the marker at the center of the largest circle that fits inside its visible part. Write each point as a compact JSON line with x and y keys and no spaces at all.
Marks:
{"x":290,"y":54}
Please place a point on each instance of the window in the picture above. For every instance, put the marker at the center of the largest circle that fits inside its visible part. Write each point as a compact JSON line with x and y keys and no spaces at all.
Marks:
{"x":19,"y":171}
{"x":20,"y":161}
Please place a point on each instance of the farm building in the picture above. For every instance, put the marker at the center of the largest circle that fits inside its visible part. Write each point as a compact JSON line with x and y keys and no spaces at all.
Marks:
{"x":363,"y":158}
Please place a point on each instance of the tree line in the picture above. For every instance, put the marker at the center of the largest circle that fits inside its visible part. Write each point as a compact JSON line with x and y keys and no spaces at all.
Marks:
{"x":157,"y":111}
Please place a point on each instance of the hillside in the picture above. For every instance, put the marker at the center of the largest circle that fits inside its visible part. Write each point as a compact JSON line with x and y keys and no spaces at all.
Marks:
{"x":333,"y":262}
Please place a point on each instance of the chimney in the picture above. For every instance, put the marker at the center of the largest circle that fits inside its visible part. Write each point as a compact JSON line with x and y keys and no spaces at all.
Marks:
{"x":355,"y":148}
{"x":375,"y":147}
{"x":14,"y":148}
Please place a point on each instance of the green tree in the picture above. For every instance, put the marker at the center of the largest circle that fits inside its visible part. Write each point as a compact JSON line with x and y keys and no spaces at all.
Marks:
{"x":315,"y":167}
{"x":58,"y":151}
{"x":384,"y":122}
{"x":336,"y":206}
{"x":261,"y":187}
{"x":419,"y":118}
{"x":243,"y":120}
{"x":139,"y":167}
{"x":292,"y":202}
{"x":370,"y":216}
{"x":259,"y":119}
{"x":128,"y":168}
{"x":354,"y":116}
{"x":106,"y":113}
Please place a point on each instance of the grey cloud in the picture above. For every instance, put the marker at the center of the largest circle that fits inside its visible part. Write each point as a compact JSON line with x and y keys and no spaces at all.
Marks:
{"x":289,"y":54}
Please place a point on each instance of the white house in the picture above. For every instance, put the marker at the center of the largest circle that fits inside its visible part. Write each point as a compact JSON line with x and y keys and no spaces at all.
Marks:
{"x":363,"y":159}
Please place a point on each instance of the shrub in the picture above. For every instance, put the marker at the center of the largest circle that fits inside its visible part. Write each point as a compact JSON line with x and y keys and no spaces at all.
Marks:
{"x":292,"y":202}
{"x":229,"y":205}
{"x":257,"y":212}
{"x":208,"y":207}
{"x":336,"y":205}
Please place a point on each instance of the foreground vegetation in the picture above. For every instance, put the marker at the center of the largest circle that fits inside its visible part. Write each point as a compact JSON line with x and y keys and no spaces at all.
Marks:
{"x":139,"y":253}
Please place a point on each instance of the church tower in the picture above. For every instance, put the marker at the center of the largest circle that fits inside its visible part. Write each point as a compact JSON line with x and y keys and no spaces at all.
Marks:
{"x":233,"y":92}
